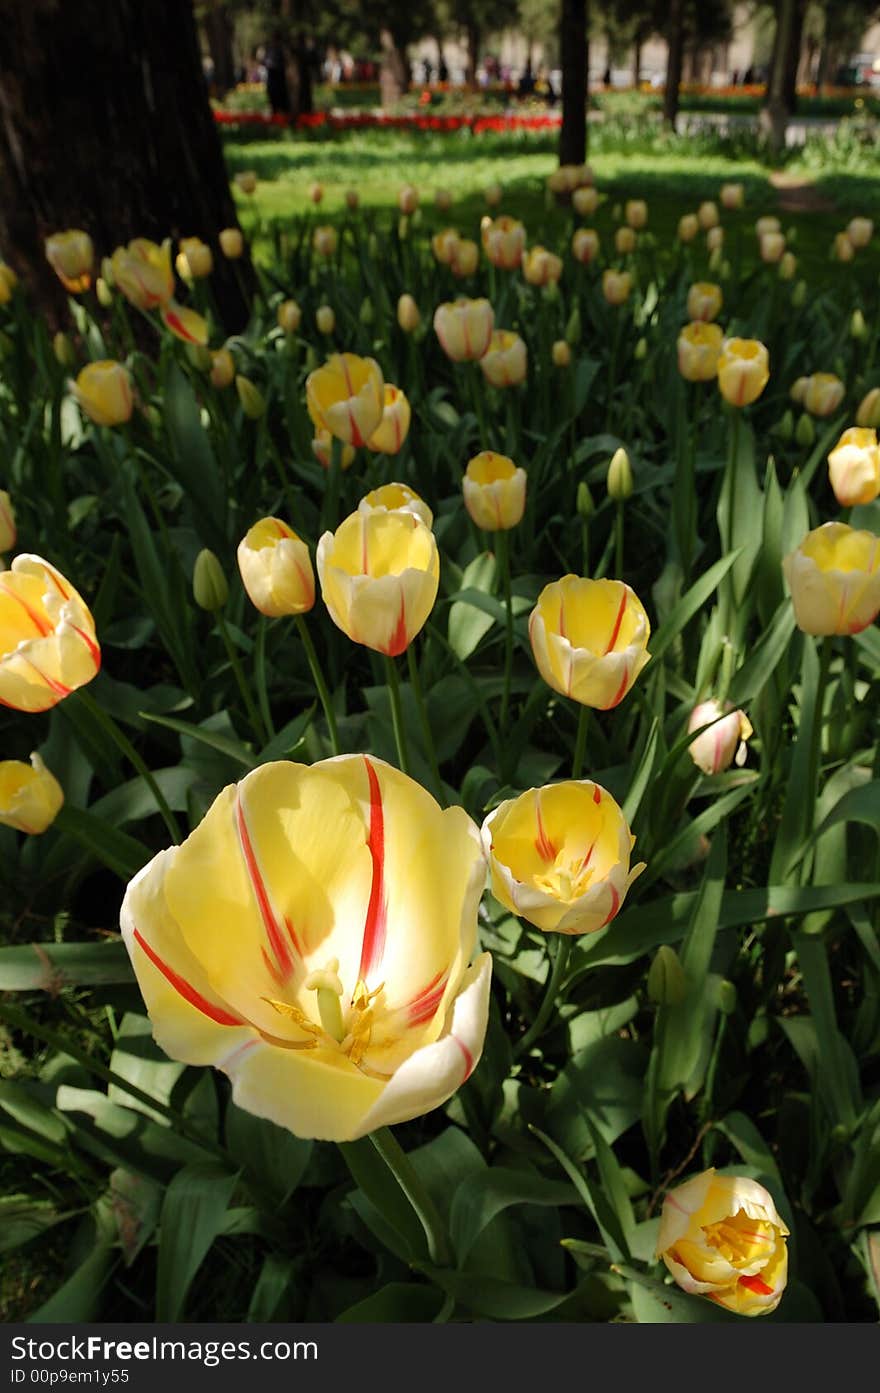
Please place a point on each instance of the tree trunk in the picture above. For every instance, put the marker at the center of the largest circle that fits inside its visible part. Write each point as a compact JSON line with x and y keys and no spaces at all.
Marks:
{"x":675,"y":46}
{"x":473,"y":36}
{"x":392,"y":70}
{"x":573,"y":47}
{"x":219,"y":31}
{"x":775,"y":112}
{"x":105,"y":125}
{"x":793,"y":57}
{"x":637,"y":60}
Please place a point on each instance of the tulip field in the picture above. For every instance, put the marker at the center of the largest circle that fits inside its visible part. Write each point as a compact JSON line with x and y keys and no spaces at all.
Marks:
{"x":439,"y":766}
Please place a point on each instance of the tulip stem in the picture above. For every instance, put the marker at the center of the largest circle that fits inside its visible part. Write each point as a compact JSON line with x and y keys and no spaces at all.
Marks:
{"x":502,"y":548}
{"x":554,"y":981}
{"x":430,"y":750}
{"x":330,"y":514}
{"x":404,"y":1172}
{"x":320,"y":684}
{"x":618,"y":541}
{"x":122,"y":742}
{"x":580,"y":744}
{"x":396,"y":714}
{"x":260,"y":677}
{"x":257,"y":725}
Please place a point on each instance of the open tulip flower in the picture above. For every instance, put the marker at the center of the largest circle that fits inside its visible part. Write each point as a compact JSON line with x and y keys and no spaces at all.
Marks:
{"x":503,"y":241}
{"x":834,"y":579}
{"x":379,"y":575}
{"x":559,"y":856}
{"x":443,"y":245}
{"x":505,"y":362}
{"x":8,"y":532}
{"x":48,"y":646}
{"x":72,"y":257}
{"x":142,"y":271}
{"x":464,"y":328}
{"x":312,"y":939}
{"x":392,"y":430}
{"x":585,"y":201}
{"x":30,"y":796}
{"x":704,"y":301}
{"x":699,"y":350}
{"x":396,"y":498}
{"x":721,"y":1237}
{"x":853,"y":467}
{"x":494,"y":491}
{"x":823,"y":393}
{"x":346,"y":397}
{"x":276,"y":569}
{"x":585,"y":245}
{"x":103,"y":391}
{"x":589,"y":639}
{"x":743,"y":370}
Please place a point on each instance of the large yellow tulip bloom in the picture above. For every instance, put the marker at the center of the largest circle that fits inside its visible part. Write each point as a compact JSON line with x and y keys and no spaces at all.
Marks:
{"x":743,"y":370}
{"x":853,"y":467}
{"x":276,"y":569}
{"x":589,"y":639}
{"x":48,"y":646}
{"x":346,"y":397}
{"x":312,"y":938}
{"x":464,"y":328}
{"x":834,"y":579}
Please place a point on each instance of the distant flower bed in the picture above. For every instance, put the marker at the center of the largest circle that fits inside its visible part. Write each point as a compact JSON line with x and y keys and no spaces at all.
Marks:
{"x":360,"y":120}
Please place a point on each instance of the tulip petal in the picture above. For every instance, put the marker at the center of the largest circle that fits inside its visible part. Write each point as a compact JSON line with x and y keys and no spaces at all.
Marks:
{"x":314,"y":1093}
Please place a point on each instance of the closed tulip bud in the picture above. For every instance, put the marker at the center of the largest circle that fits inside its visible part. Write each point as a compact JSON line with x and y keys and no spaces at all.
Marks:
{"x":8,"y":282}
{"x":860,"y":231}
{"x":723,"y":742}
{"x":316,"y":192}
{"x":842,"y":248}
{"x":868,"y":413}
{"x":616,"y":212}
{"x":823,"y":393}
{"x":858,"y":329}
{"x":494,"y":491}
{"x":589,"y":639}
{"x":346,"y":397}
{"x":103,"y":391}
{"x":142,"y":271}
{"x":771,"y":247}
{"x":561,"y":354}
{"x":805,"y":431}
{"x":732,"y":196}
{"x":8,"y":532}
{"x":104,"y":293}
{"x":767,"y":224}
{"x":201,"y":358}
{"x":71,"y":255}
{"x":585,"y":201}
{"x":715,"y":260}
{"x":246,"y":180}
{"x":721,"y":1237}
{"x":322,"y":449}
{"x":443,"y":200}
{"x":325,"y":240}
{"x":30,"y":796}
{"x":505,"y":362}
{"x":408,"y":199}
{"x":379,"y":575}
{"x":853,"y":467}
{"x":834,"y":579}
{"x":48,"y":646}
{"x":707,"y":215}
{"x":640,"y":352}
{"x":325,"y":319}
{"x":799,"y":294}
{"x":688,"y":227}
{"x":699,"y":351}
{"x":366,"y":314}
{"x":62,"y":348}
{"x":616,"y":286}
{"x":392,"y":430}
{"x":636,"y":212}
{"x":464,"y":328}
{"x":222,"y":368}
{"x":232,"y":243}
{"x":726,"y":997}
{"x":184,"y":323}
{"x":798,"y":389}
{"x":785,"y":428}
{"x":704,"y":301}
{"x":493,"y":195}
{"x":666,"y":984}
{"x":253,"y":403}
{"x":195,"y":260}
{"x":465,"y":258}
{"x":620,"y":476}
{"x":787,"y":266}
{"x":540,"y":267}
{"x":443,"y":245}
{"x":743,"y":370}
{"x":503,"y":241}
{"x":210,"y":588}
{"x":289,"y":316}
{"x":276,"y":569}
{"x":715,"y":239}
{"x":559,"y":856}
{"x":352,"y":199}
{"x":624,"y":241}
{"x":585,"y":245}
{"x":584,"y":501}
{"x":396,"y":498}
{"x":408,"y":316}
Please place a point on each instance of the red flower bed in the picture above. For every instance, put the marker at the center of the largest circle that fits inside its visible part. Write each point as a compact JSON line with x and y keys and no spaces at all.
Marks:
{"x":365,"y":120}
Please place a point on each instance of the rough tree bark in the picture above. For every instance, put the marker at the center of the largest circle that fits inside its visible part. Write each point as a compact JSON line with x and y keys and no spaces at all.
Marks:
{"x":675,"y":47}
{"x":573,"y":48}
{"x":775,"y":112}
{"x":105,"y":125}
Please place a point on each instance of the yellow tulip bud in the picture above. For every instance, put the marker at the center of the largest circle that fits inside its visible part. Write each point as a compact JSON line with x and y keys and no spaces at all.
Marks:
{"x":743,"y":370}
{"x":559,"y":856}
{"x":408,"y":199}
{"x":142,"y":271}
{"x":325,"y":240}
{"x":503,"y":241}
{"x":408,"y":316}
{"x":184,"y":323}
{"x":505,"y":362}
{"x":721,"y":1237}
{"x":322,"y":449}
{"x":771,"y":247}
{"x":616,"y":286}
{"x":464,"y":328}
{"x":853,"y":467}
{"x":584,"y":501}
{"x":62,"y":348}
{"x":352,"y":199}
{"x":732,"y":196}
{"x":289,"y":316}
{"x":585,"y":201}
{"x":325,"y":319}
{"x":48,"y":646}
{"x":30,"y":796}
{"x":667,"y":983}
{"x":699,"y":351}
{"x":561,"y":353}
{"x":707,"y":215}
{"x":316,"y":192}
{"x":201,"y":358}
{"x":540,"y":267}
{"x":834,"y":579}
{"x":704,"y":301}
{"x":868,"y":413}
{"x":443,"y":245}
{"x":624,"y":241}
{"x":253,"y":403}
{"x":767,"y":224}
{"x":799,"y":294}
{"x":210,"y":587}
{"x":276,"y":569}
{"x":715,"y":240}
{"x":842,"y":248}
{"x":858,"y":329}
{"x":8,"y":282}
{"x":723,"y":742}
{"x":589,"y":639}
{"x":620,"y":476}
{"x":246,"y":180}
{"x":379,"y":575}
{"x":71,"y":255}
{"x":787,"y":266}
{"x":104,"y":293}
{"x":222,"y":368}
{"x":103,"y":390}
{"x":8,"y":531}
{"x":465,"y":258}
{"x":585,"y":245}
{"x":823,"y":393}
{"x":688,"y":227}
{"x":396,"y":498}
{"x":195,"y":260}
{"x":346,"y":397}
{"x":636,"y":212}
{"x":494,"y":491}
{"x":860,"y":231}
{"x":232,"y":243}
{"x":393,"y":428}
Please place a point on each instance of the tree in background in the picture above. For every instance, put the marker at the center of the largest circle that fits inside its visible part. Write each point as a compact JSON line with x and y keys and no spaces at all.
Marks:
{"x":694,"y":24}
{"x":474,"y":20}
{"x":575,"y":66}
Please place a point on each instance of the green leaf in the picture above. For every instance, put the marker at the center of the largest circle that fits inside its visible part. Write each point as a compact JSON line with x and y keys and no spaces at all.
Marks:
{"x":192,"y":460}
{"x":79,"y":1299}
{"x":487,"y":1296}
{"x":193,"y":1215}
{"x":690,"y":604}
{"x":467,"y":624}
{"x":593,"y":1197}
{"x":50,"y":967}
{"x":122,"y":854}
{"x":23,"y":1218}
{"x":271,"y":1155}
{"x":398,"y":1301}
{"x":483,"y":1195}
{"x":221,"y":743}
{"x":764,"y":658}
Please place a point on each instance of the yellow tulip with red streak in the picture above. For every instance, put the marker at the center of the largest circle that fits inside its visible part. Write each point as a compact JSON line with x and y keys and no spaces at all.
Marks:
{"x":346,"y":397}
{"x":276,"y":569}
{"x":396,"y":498}
{"x":103,"y":391}
{"x":494,"y":491}
{"x":392,"y":430}
{"x":30,"y":795}
{"x":71,"y":255}
{"x":505,"y":362}
{"x":142,"y":271}
{"x":823,"y":393}
{"x":853,"y":467}
{"x":540,"y":266}
{"x":464,"y":328}
{"x":589,"y":639}
{"x":743,"y":370}
{"x":834,"y":579}
{"x":699,"y":350}
{"x":48,"y":645}
{"x":585,"y":245}
{"x":504,"y":239}
{"x":704,"y":301}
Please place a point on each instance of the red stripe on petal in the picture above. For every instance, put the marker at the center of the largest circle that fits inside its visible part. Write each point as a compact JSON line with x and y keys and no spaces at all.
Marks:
{"x":94,"y":650}
{"x":543,"y":845}
{"x":617,"y":623}
{"x":615,"y":906}
{"x":280,"y":950}
{"x":54,"y":686}
{"x":621,"y":691}
{"x":183,"y":988}
{"x":41,"y":625}
{"x":423,"y":1006}
{"x":468,"y":1058}
{"x":399,"y":639}
{"x":373,"y":945}
{"x":756,"y":1285}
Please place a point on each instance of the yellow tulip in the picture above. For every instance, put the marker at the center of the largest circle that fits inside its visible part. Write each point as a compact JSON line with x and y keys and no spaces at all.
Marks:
{"x":771,"y":247}
{"x":721,"y":1237}
{"x":624,"y":241}
{"x":30,"y":796}
{"x":823,"y":393}
{"x":443,"y":200}
{"x":222,"y":368}
{"x":541,"y":267}
{"x":464,"y":328}
{"x":699,"y":349}
{"x":853,"y":467}
{"x":765,"y":225}
{"x":408,"y":316}
{"x":443,"y":245}
{"x":232,"y":243}
{"x":788,"y":266}
{"x":561,"y":353}
{"x":585,"y":201}
{"x":559,"y":856}
{"x":732,"y":196}
{"x":589,"y":639}
{"x":322,"y":449}
{"x":195,"y":260}
{"x":868,"y":413}
{"x":325,"y":319}
{"x":8,"y":282}
{"x":503,"y":241}
{"x":842,"y":248}
{"x":704,"y":301}
{"x":724,"y":742}
{"x":71,"y":255}
{"x":743,"y":370}
{"x":585,"y":245}
{"x":688,"y":227}
{"x":8,"y":532}
{"x":834,"y":579}
{"x":408,"y":199}
{"x":494,"y":491}
{"x":505,"y":362}
{"x":636,"y":212}
{"x":246,"y":180}
{"x":616,"y":286}
{"x":392,"y":430}
{"x":253,"y":402}
{"x":276,"y":569}
{"x":325,"y":240}
{"x":396,"y":498}
{"x":465,"y":258}
{"x":289,"y":316}
{"x":312,"y":938}
{"x":379,"y":575}
{"x":142,"y":271}
{"x":48,"y":646}
{"x":714,"y":243}
{"x":103,"y":390}
{"x":860,"y":231}
{"x":185,"y":323}
{"x":346,"y":397}
{"x":707,"y":215}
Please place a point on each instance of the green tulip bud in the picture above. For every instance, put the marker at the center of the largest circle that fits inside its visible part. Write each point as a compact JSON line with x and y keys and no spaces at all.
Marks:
{"x":104,"y":293}
{"x":799,"y":294}
{"x":667,"y":984}
{"x":63,"y":350}
{"x":573,"y":328}
{"x":367,"y":312}
{"x":620,"y":476}
{"x":210,"y":589}
{"x":550,"y":292}
{"x":840,"y":368}
{"x":585,"y":505}
{"x":253,"y":402}
{"x":726,"y":997}
{"x":785,"y":427}
{"x":640,"y":351}
{"x":857,"y":327}
{"x":403,"y":228}
{"x":805,"y":431}
{"x":199,"y":356}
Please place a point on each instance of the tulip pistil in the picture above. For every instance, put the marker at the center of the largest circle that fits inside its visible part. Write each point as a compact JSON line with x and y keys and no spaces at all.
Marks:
{"x":328,"y":988}
{"x":741,"y":1240}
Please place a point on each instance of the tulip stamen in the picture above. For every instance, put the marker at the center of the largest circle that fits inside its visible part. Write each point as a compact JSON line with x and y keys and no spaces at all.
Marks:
{"x":328,"y":988}
{"x":741,"y":1240}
